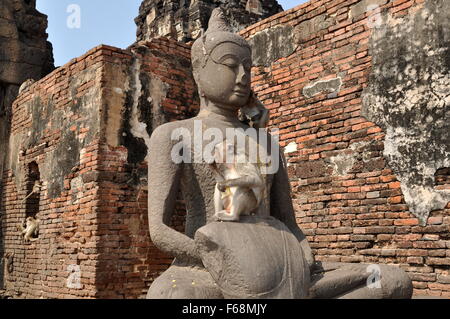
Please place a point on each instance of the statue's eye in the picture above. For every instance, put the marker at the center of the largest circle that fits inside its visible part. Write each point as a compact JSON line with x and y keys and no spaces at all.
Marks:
{"x":230,"y":62}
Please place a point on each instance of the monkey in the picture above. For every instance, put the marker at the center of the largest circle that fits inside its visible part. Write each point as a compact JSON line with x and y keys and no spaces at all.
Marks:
{"x":31,"y":229}
{"x":25,"y":85}
{"x":36,"y":189}
{"x":240,"y":187}
{"x":254,"y":113}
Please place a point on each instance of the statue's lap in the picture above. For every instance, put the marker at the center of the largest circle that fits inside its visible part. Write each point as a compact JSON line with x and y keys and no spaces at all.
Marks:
{"x":184,"y":282}
{"x":188,"y":282}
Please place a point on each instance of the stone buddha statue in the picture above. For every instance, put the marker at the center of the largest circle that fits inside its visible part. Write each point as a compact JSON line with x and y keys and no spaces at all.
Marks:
{"x":264,"y":254}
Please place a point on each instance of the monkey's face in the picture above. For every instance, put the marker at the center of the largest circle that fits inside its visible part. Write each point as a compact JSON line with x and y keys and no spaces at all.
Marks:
{"x":29,"y":221}
{"x":224,"y":153}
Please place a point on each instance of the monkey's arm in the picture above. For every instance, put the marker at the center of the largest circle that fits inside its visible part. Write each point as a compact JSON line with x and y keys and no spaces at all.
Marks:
{"x":249,"y":177}
{"x":22,"y":229}
{"x":281,"y":207}
{"x":163,"y":184}
{"x":256,"y":112}
{"x":244,"y":181}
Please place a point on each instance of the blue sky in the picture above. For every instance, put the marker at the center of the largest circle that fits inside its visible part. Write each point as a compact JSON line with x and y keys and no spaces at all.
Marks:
{"x":101,"y":22}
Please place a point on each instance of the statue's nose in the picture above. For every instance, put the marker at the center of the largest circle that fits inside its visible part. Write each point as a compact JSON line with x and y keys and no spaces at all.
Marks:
{"x":242,"y":77}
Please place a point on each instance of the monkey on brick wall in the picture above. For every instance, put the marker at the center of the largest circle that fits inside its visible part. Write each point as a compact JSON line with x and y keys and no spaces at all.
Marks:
{"x":31,"y":229}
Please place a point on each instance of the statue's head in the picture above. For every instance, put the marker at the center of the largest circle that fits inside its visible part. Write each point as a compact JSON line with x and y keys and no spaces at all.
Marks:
{"x":221,"y":62}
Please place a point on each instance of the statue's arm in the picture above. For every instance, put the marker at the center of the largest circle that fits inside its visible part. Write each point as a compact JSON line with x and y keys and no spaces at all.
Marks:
{"x":281,"y":207}
{"x":163,"y":186}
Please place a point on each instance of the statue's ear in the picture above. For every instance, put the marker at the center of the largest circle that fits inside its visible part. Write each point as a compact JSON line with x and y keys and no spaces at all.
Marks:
{"x":196,"y":75}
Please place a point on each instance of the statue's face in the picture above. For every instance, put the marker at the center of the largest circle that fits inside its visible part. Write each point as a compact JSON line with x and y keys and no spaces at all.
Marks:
{"x":225,"y":79}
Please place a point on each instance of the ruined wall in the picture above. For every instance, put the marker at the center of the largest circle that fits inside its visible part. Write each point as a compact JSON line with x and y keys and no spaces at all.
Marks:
{"x":183,"y":20}
{"x":359,"y":90}
{"x":24,"y":54}
{"x":151,"y":85}
{"x":54,"y":127}
{"x":84,"y":128}
{"x":322,"y":71}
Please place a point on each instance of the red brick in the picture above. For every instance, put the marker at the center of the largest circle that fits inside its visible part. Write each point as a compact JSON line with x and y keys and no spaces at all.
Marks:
{"x":406,"y":222}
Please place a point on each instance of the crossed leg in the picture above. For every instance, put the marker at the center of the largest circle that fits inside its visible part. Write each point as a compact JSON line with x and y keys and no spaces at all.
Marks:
{"x":359,"y":281}
{"x":184,"y":282}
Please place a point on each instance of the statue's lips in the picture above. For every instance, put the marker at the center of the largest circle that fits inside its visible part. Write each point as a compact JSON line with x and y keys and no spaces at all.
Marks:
{"x":240,"y":93}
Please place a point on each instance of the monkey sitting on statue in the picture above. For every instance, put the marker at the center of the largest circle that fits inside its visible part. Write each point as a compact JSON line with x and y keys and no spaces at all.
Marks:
{"x":31,"y":229}
{"x":240,"y":186}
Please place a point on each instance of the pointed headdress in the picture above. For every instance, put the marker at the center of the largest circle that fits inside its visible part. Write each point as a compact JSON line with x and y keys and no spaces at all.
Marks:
{"x":219,"y":31}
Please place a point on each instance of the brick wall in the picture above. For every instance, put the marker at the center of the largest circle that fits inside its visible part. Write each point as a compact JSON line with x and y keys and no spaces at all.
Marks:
{"x":347,"y":199}
{"x":78,"y":127}
{"x":159,"y":88}
{"x":86,"y":126}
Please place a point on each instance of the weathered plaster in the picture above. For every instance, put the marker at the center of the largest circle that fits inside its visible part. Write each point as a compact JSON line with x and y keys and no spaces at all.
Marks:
{"x":346,"y":162}
{"x":157,"y":91}
{"x":115,"y":100}
{"x":323,"y":86}
{"x":290,"y":148}
{"x":364,"y":6}
{"x":342,"y":163}
{"x":408,"y":97}
{"x":145,"y":93}
{"x":311,"y":28}
{"x":272,"y":44}
{"x":61,"y":159}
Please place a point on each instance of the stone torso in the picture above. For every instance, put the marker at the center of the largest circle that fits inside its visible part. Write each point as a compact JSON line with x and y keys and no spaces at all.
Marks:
{"x":198,"y":182}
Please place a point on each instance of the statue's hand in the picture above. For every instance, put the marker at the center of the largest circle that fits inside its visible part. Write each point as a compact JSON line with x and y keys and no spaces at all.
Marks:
{"x":255,"y":112}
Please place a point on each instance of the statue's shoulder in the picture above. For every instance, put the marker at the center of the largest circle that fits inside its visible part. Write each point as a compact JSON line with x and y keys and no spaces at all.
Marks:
{"x":165,"y":132}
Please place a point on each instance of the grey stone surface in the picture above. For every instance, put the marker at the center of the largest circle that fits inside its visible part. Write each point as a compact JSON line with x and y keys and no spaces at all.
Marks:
{"x":362,"y":7}
{"x":24,"y":53}
{"x":24,"y":50}
{"x":183,"y":20}
{"x":322,"y":86}
{"x":310,"y":28}
{"x":408,"y":97}
{"x":272,"y":44}
{"x":257,"y":258}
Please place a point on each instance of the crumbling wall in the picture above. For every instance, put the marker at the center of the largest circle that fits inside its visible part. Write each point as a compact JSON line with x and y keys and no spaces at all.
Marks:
{"x":24,"y":54}
{"x":54,"y":128}
{"x":359,"y":91}
{"x":348,"y":195}
{"x":408,"y":96}
{"x":85,"y":127}
{"x":183,"y":20}
{"x":145,"y":87}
